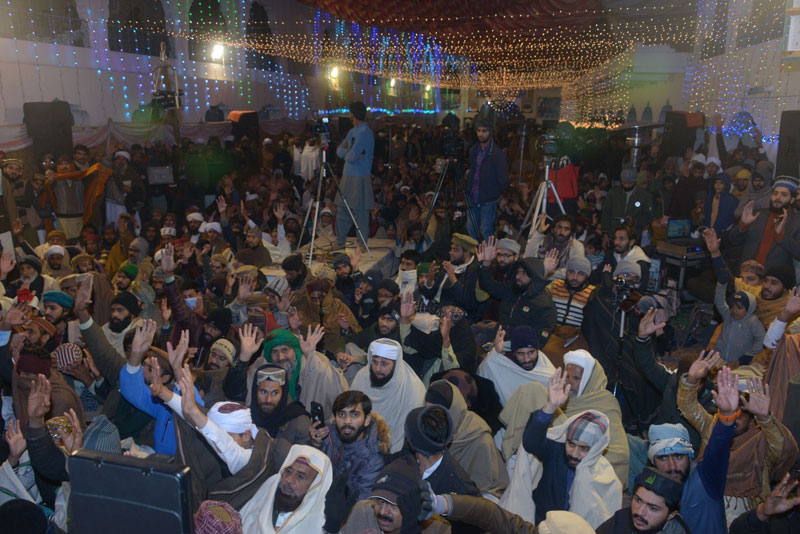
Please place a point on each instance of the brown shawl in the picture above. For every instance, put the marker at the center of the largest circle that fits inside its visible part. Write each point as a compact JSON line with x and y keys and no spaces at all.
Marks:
{"x":62,"y":398}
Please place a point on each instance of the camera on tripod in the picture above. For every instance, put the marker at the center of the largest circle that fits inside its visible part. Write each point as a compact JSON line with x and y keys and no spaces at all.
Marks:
{"x":321,"y":128}
{"x":452,"y":143}
{"x":625,"y":284}
{"x":547,"y":144}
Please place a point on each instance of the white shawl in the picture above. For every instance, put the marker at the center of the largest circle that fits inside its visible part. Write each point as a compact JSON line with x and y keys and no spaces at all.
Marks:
{"x":596,"y":492}
{"x":400,"y":395}
{"x":256,"y":514}
{"x":508,"y":376}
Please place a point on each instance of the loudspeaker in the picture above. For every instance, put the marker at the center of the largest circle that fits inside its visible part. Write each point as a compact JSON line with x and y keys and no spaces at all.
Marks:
{"x":126,"y":495}
{"x":244,"y":123}
{"x":49,"y":124}
{"x":345,"y":125}
{"x":788,"y":161}
{"x":680,"y":131}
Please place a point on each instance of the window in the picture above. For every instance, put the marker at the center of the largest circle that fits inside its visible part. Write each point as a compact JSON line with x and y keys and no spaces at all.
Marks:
{"x":207,"y":26}
{"x":258,"y":33}
{"x":137,"y":27}
{"x":48,"y":21}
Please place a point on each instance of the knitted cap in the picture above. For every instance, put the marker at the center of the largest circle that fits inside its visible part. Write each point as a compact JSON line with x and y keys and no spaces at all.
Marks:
{"x":579,"y":264}
{"x":58,"y":297}
{"x":587,"y":427}
{"x":128,"y":301}
{"x":523,"y":337}
{"x":661,"y":484}
{"x":508,"y":244}
{"x":628,"y":267}
{"x":102,"y":436}
{"x":221,"y":319}
{"x":130,"y":270}
{"x":415,"y":435}
{"x":784,"y":273}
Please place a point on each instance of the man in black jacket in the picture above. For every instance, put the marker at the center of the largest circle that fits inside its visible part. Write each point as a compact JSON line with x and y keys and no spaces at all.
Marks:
{"x":457,"y":284}
{"x":654,"y":507}
{"x":523,"y":298}
{"x":487,"y":178}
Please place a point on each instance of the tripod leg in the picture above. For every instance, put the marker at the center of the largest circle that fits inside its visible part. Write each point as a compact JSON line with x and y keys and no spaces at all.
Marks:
{"x":433,"y":204}
{"x":558,"y":199}
{"x":461,"y":189}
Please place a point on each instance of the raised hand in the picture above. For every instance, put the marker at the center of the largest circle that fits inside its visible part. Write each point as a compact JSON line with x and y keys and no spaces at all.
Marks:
{"x":407,"y":306}
{"x":778,"y":502}
{"x":702,"y":365}
{"x":156,"y":386}
{"x":727,"y":394}
{"x":294,"y":319}
{"x":487,"y":251}
{"x":712,"y":240}
{"x":557,"y":391}
{"x":449,"y":271}
{"x":39,"y":397}
{"x":222,"y":206}
{"x":188,"y":402}
{"x":758,"y":403}
{"x":245,"y":290}
{"x":168,"y":260}
{"x":344,"y":322}
{"x":780,"y":223}
{"x":748,"y":213}
{"x":74,"y":440}
{"x":7,"y":264}
{"x":166,"y":311}
{"x":499,"y":339}
{"x":16,"y":443}
{"x":279,"y":211}
{"x":142,"y":339}
{"x":542,"y":226}
{"x":84,"y":297}
{"x":17,"y":227}
{"x":550,"y":261}
{"x":250,"y":338}
{"x":176,"y":354}
{"x":445,"y":324}
{"x":309,"y":343}
{"x":15,"y":316}
{"x":648,"y":325}
{"x":286,"y":300}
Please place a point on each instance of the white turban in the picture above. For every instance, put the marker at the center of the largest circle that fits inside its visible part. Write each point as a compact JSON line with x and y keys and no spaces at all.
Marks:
{"x":168,"y":230}
{"x":583,"y":359}
{"x":55,"y":249}
{"x":122,"y":154}
{"x":385,"y":348}
{"x":194,"y":216}
{"x":214,"y":226}
{"x":232,"y":417}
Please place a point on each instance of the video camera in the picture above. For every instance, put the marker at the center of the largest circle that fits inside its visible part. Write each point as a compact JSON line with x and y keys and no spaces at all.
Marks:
{"x":321,"y":128}
{"x":452,"y":143}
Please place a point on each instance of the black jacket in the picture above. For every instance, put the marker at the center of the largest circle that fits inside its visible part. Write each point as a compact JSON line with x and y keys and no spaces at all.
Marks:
{"x":461,"y":294}
{"x":532,"y":307}
{"x":493,"y":175}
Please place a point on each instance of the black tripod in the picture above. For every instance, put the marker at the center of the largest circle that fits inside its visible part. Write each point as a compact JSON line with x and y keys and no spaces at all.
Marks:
{"x":459,"y":191}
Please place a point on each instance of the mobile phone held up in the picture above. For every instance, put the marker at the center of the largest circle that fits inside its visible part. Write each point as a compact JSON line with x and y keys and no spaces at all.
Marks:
{"x":317,"y":414}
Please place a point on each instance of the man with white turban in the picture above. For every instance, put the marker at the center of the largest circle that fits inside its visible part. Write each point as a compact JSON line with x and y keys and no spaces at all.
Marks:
{"x":563,"y":468}
{"x":393,"y":386}
{"x":293,"y":500}
{"x":587,"y":392}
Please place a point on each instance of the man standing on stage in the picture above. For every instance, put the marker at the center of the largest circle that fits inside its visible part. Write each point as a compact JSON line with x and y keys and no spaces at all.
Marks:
{"x":356,"y":184}
{"x":488,"y":177}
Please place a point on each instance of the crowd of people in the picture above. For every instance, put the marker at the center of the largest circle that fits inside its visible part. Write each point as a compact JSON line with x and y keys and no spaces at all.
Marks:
{"x":496,"y":372}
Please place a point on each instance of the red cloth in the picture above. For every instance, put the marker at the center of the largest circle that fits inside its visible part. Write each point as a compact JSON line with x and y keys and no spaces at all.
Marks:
{"x":566,"y":182}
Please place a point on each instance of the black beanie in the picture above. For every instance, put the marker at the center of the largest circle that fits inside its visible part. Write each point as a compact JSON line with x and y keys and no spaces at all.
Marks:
{"x":784,"y":273}
{"x":416,"y":437}
{"x":19,"y":516}
{"x":398,"y":484}
{"x":127,"y":301}
{"x":220,"y":318}
{"x":32,"y":261}
{"x":440,"y":392}
{"x":671,"y":489}
{"x":292,"y":263}
{"x":389,"y":285}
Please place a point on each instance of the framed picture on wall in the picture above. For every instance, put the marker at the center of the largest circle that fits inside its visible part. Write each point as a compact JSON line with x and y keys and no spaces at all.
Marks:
{"x":548,"y":107}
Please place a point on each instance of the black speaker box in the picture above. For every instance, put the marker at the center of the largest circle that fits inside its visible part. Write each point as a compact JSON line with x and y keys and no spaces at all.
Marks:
{"x":244,"y":123}
{"x":788,"y":161}
{"x":49,"y":124}
{"x":680,"y":131}
{"x":126,"y":495}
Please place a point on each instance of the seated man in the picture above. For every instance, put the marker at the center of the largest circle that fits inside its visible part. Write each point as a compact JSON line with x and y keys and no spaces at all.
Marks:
{"x":293,"y":500}
{"x":272,"y":409}
{"x":320,"y":306}
{"x":587,"y":392}
{"x":246,"y":450}
{"x":392,"y":386}
{"x":310,"y":374}
{"x":352,"y":350}
{"x":355,"y":442}
{"x":762,"y":449}
{"x":560,"y":238}
{"x":407,"y":275}
{"x":523,"y":297}
{"x":569,"y":465}
{"x":654,"y":508}
{"x":472,"y":445}
{"x":624,"y":249}
{"x":525,"y":364}
{"x":702,"y":503}
{"x":456,"y":285}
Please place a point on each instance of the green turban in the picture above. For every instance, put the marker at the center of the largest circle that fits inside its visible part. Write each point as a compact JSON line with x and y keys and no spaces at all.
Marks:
{"x":282,"y":336}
